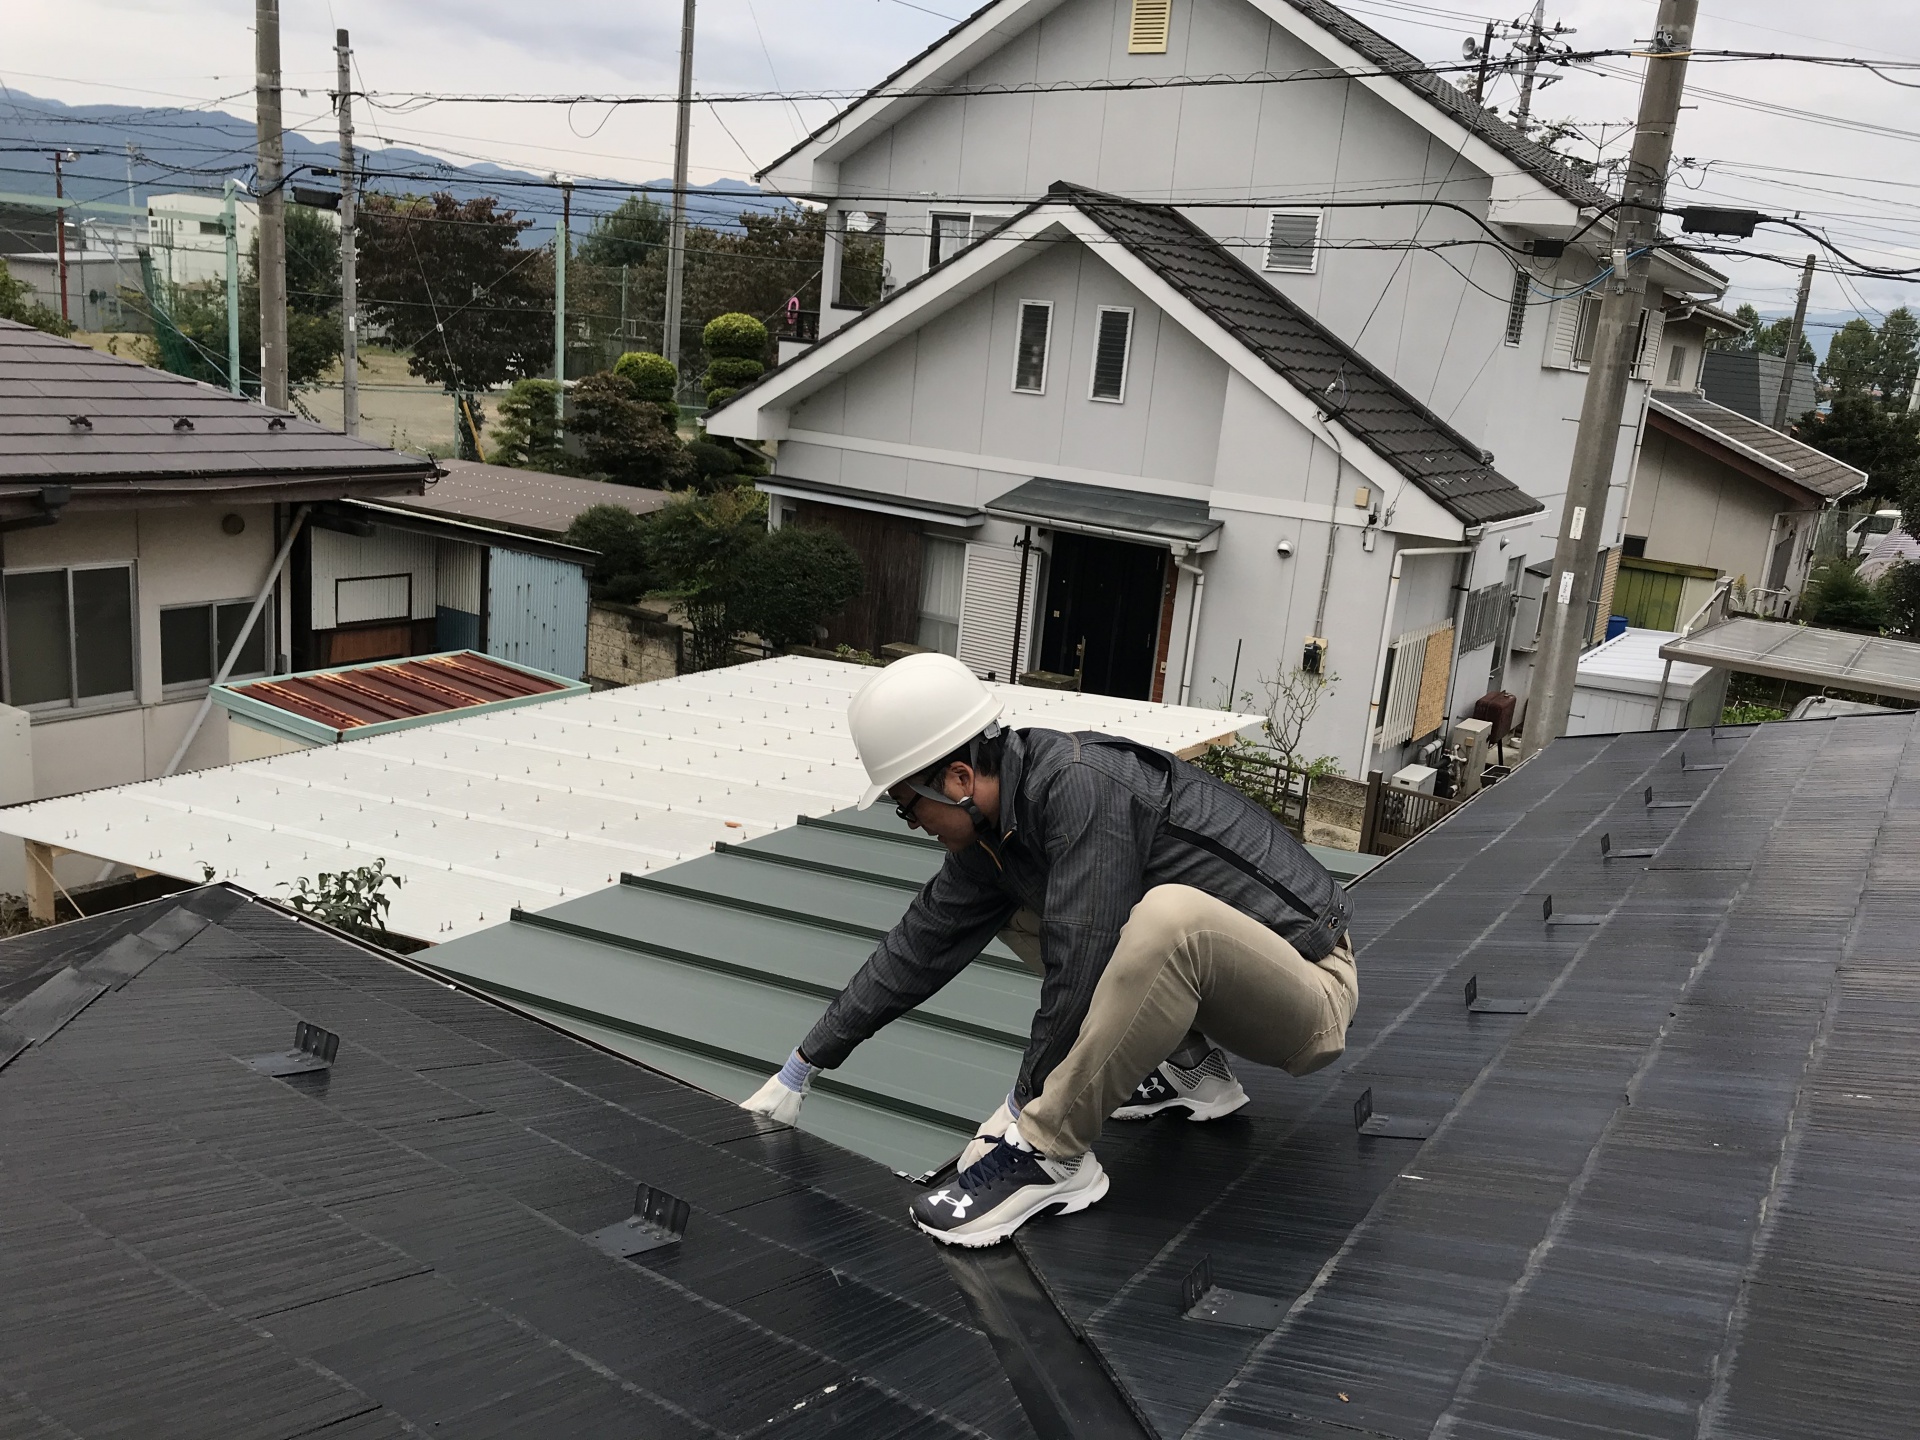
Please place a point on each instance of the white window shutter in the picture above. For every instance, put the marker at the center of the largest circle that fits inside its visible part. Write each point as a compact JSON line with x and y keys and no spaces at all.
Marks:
{"x":1650,"y":347}
{"x":989,"y":600}
{"x":1566,"y":329}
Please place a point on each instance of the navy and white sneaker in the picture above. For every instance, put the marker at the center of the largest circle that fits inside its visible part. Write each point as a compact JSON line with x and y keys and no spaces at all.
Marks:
{"x":1206,"y":1092}
{"x":995,"y":1196}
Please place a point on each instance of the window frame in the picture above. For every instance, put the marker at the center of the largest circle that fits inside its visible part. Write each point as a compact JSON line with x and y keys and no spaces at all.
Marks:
{"x":178,"y":688}
{"x":1676,"y":365}
{"x":934,"y":257}
{"x":1312,"y":267}
{"x":1582,"y":330}
{"x":841,"y":231}
{"x":75,"y":703}
{"x":1126,"y":355}
{"x":1046,"y":347}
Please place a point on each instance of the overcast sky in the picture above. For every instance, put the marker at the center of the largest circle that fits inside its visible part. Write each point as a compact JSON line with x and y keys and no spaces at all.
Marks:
{"x":1848,"y":161}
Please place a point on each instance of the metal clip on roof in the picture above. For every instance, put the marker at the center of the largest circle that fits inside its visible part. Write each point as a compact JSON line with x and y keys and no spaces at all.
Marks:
{"x":1479,"y":1005}
{"x":1546,"y":914}
{"x":313,"y":1051}
{"x":1201,"y":1299}
{"x":658,"y":1221}
{"x":1607,"y":852}
{"x":1386,"y":1127}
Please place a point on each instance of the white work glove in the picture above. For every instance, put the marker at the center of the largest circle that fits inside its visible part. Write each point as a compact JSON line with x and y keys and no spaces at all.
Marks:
{"x":779,"y":1099}
{"x":991,"y":1129}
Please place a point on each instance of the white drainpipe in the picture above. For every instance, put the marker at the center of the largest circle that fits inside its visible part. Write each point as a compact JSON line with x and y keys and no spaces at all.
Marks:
{"x":1386,"y":636}
{"x":1193,"y":626}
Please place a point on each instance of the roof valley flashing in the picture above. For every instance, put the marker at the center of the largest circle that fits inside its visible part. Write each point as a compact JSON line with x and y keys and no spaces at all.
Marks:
{"x":1266,"y":336}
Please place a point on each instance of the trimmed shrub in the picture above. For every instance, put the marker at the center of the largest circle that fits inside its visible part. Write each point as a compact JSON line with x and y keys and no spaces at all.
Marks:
{"x":653,"y":376}
{"x":799,"y":577}
{"x":624,"y":437}
{"x":619,"y":536}
{"x":734,"y":372}
{"x":735,"y":336}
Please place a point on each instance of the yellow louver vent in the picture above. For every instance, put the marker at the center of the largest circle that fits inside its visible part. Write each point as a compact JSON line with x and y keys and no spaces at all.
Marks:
{"x":1151,"y":20}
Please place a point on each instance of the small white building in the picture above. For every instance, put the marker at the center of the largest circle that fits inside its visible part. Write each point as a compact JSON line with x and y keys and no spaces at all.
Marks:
{"x":1623,"y":684}
{"x":187,"y":236}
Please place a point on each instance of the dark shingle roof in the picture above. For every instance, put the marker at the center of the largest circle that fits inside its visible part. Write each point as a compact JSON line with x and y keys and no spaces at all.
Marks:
{"x":399,"y":1246}
{"x":1437,"y":458}
{"x":131,"y":434}
{"x":1785,"y":456}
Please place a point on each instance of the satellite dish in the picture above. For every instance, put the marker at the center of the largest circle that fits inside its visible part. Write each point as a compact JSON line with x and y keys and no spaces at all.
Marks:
{"x":1469,"y":49}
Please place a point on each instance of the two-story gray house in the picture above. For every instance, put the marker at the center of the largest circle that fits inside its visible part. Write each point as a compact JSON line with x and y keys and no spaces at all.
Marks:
{"x":1167,"y":339}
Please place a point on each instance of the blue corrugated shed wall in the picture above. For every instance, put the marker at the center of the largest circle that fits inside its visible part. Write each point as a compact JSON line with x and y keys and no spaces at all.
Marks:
{"x":537,"y":612}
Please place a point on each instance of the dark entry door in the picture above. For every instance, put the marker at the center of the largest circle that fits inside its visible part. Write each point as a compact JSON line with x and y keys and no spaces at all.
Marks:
{"x":1104,"y":595}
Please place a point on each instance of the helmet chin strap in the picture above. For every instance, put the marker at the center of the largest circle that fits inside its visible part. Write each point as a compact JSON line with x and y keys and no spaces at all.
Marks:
{"x":981,"y":825}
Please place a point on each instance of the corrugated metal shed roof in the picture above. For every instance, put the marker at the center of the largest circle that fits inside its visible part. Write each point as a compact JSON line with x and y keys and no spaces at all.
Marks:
{"x":356,"y":701}
{"x":535,"y":805}
{"x":71,"y":415}
{"x":524,"y":500}
{"x":1840,"y":658}
{"x":711,"y":970}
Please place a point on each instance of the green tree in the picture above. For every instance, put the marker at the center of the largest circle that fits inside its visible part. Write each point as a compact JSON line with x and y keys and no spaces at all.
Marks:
{"x":653,"y":376}
{"x":1899,"y":358}
{"x":1838,"y":599}
{"x":631,"y":234}
{"x":700,"y":550}
{"x":736,"y":346}
{"x":19,"y":303}
{"x":1898,"y":590}
{"x":450,"y":283}
{"x":1762,"y":337}
{"x":619,"y":536}
{"x":1865,"y":434}
{"x":1852,"y":366}
{"x":799,"y":577}
{"x":624,"y":436}
{"x":529,"y":434}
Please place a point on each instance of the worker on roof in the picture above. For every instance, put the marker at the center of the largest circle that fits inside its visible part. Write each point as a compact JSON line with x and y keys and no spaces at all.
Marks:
{"x":1168,"y":908}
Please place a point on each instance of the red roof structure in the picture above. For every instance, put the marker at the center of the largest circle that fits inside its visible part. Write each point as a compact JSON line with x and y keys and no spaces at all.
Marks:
{"x":389,"y":691}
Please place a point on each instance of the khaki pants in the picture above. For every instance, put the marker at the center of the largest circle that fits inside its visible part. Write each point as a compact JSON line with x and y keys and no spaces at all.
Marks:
{"x":1187,"y":961}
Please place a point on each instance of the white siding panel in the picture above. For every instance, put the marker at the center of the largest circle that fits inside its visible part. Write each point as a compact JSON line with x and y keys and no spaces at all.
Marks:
{"x":537,"y":612}
{"x":385,"y":552}
{"x":373,"y":597}
{"x":990,"y":600}
{"x":460,"y":575}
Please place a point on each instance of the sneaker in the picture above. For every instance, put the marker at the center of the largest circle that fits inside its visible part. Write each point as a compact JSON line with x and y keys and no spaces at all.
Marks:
{"x":991,"y":1199}
{"x":1205,"y":1092}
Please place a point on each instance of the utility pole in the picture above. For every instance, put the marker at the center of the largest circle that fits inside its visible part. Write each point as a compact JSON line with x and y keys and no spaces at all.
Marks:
{"x":1480,"y":75}
{"x":1523,"y":112}
{"x":1792,"y":353}
{"x":349,"y":260}
{"x":229,"y":222}
{"x":1583,"y":513}
{"x":273,"y":211}
{"x":60,"y":227}
{"x":677,"y":246}
{"x":562,"y":242}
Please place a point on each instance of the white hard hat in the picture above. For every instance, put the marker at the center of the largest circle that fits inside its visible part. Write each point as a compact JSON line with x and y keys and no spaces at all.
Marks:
{"x":914,"y":714}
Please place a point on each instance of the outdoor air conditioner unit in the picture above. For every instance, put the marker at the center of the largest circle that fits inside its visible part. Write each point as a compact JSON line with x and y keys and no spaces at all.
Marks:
{"x":1417,"y":778}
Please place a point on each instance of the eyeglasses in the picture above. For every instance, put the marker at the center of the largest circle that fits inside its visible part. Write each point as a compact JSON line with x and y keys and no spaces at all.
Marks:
{"x":909,"y":811}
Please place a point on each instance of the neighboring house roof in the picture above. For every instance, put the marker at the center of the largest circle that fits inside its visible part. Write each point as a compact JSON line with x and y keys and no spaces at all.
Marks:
{"x":526,"y":500}
{"x":356,"y":701}
{"x":710,"y":969}
{"x":542,"y":803}
{"x":1267,"y":329}
{"x":1757,"y":444}
{"x":1805,"y":654}
{"x":117,"y":431}
{"x":404,"y":1244}
{"x":1896,"y":547}
{"x":1750,"y":384}
{"x":1104,"y":510}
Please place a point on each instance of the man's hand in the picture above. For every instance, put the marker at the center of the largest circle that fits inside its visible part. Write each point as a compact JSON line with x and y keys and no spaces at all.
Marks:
{"x":991,"y":1129}
{"x":779,"y":1099}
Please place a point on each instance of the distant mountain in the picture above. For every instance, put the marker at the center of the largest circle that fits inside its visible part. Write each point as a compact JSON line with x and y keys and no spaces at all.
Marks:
{"x":178,"y":149}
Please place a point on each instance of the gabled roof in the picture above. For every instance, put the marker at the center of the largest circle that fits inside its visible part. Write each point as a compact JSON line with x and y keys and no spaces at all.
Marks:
{"x":525,"y":500}
{"x":1757,"y":444}
{"x":114,"y":429}
{"x":1405,"y":69}
{"x":1351,"y":389}
{"x":1264,"y":330}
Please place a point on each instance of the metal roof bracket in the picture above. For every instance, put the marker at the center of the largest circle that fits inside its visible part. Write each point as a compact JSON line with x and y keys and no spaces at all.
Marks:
{"x":659,"y":1220}
{"x":1201,"y":1299}
{"x":1653,"y":804}
{"x":1547,"y":915}
{"x":1607,"y":852}
{"x":1479,"y":1005}
{"x":1386,"y":1127}
{"x":1687,"y":769}
{"x":313,"y":1051}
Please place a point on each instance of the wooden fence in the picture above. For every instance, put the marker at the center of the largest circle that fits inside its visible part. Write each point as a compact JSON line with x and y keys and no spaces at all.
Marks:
{"x":1393,"y":817}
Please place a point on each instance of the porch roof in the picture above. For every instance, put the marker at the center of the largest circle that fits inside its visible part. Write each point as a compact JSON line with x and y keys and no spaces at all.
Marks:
{"x":1868,"y":664}
{"x":1168,"y":520}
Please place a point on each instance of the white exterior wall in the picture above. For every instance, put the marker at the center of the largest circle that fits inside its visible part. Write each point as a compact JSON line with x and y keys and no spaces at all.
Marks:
{"x":180,"y":557}
{"x":338,"y":557}
{"x":1695,"y":511}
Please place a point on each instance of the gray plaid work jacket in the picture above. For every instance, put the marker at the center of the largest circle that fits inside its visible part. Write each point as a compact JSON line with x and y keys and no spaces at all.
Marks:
{"x":1089,"y":823}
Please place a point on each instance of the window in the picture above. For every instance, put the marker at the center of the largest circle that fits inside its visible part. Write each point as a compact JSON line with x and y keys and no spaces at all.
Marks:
{"x":1152,"y":20}
{"x":1677,"y":366}
{"x":1517,"y":307}
{"x":1030,"y":354}
{"x":69,"y":636}
{"x":1110,"y":348}
{"x":1293,"y":240}
{"x":943,"y":574}
{"x":212,"y":227}
{"x":1584,"y":333}
{"x":863,"y":243}
{"x":1634,"y":547}
{"x":194,"y":639}
{"x":947,"y":236}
